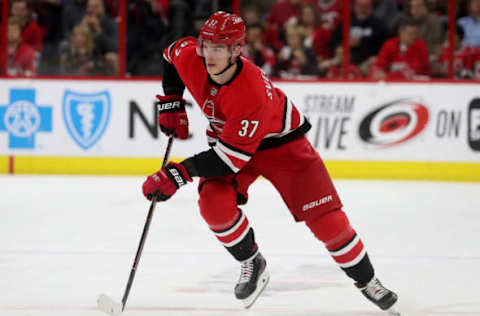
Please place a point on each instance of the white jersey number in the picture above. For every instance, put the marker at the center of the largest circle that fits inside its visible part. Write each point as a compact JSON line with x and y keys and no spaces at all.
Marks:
{"x":245,"y":127}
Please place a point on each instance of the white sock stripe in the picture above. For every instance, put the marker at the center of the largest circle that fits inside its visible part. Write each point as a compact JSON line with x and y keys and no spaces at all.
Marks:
{"x":346,"y":249}
{"x":234,"y":228}
{"x":225,"y":158}
{"x":238,"y":239}
{"x":354,"y":261}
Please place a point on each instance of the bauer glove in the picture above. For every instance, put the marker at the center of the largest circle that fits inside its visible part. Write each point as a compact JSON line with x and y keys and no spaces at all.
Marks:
{"x":172,"y":118}
{"x":165,"y":182}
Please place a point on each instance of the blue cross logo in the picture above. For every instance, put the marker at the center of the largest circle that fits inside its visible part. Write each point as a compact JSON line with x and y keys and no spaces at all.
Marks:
{"x":21,"y":118}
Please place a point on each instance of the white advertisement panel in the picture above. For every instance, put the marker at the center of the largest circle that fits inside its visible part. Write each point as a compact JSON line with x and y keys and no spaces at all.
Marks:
{"x":350,"y":121}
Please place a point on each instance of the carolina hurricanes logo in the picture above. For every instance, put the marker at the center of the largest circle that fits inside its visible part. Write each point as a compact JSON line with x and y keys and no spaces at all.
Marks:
{"x":394,"y":123}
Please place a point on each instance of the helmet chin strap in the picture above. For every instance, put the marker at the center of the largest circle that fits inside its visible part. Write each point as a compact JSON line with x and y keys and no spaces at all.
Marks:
{"x":230,"y":64}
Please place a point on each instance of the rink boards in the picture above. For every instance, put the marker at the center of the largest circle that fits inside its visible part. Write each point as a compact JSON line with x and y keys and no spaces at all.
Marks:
{"x":427,"y":131}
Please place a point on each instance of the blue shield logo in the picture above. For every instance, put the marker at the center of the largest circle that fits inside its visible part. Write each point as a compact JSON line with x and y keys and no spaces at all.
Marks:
{"x":86,"y":116}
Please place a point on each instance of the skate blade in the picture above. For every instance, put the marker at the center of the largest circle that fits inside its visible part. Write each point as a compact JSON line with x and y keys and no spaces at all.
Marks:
{"x":262,"y":283}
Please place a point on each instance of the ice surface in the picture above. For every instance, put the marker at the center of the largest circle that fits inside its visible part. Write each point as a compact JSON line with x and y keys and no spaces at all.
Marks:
{"x":64,"y":240}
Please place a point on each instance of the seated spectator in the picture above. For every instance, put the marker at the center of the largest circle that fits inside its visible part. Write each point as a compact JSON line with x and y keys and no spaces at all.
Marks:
{"x":294,"y":59}
{"x":403,"y":57}
{"x":262,"y":55}
{"x":386,"y":11}
{"x":20,"y":56}
{"x":475,"y":60}
{"x":330,"y":12}
{"x":310,"y":21}
{"x":251,"y":15}
{"x":72,"y":14}
{"x":471,"y":24}
{"x":462,"y":58}
{"x":32,"y":33}
{"x":47,"y":12}
{"x":431,"y":30}
{"x":367,"y":34}
{"x":334,"y":67}
{"x":317,"y":36}
{"x":146,"y":34}
{"x":79,"y":56}
{"x":105,"y":32}
{"x":279,"y":14}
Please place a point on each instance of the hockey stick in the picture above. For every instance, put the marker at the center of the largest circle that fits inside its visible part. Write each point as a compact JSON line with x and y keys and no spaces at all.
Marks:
{"x":104,"y":302}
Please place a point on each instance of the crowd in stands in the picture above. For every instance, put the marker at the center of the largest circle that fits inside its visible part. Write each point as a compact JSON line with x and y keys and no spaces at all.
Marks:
{"x":300,"y":39}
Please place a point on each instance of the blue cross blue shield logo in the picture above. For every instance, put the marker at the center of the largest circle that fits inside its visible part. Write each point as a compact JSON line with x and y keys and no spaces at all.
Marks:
{"x":22,"y":118}
{"x":86,"y":116}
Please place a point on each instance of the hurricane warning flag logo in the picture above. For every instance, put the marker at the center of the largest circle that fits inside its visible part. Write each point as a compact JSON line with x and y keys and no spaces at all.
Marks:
{"x":86,"y":116}
{"x":394,"y":123}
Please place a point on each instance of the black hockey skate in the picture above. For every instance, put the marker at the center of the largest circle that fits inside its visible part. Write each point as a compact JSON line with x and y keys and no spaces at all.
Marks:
{"x":253,"y":279}
{"x":380,"y":296}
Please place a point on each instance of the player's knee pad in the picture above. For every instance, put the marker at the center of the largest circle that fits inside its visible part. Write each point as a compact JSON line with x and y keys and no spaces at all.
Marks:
{"x":218,"y":205}
{"x":332,"y":228}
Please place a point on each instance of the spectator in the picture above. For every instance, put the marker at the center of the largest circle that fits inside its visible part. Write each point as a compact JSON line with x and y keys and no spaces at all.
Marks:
{"x":79,"y":56}
{"x":317,"y":35}
{"x":367,"y":34}
{"x":262,"y":55}
{"x":279,"y":14}
{"x":47,"y":12}
{"x":471,"y":24}
{"x":386,"y":11}
{"x":310,"y":21}
{"x":462,"y":58}
{"x":20,"y":56}
{"x":431,"y":30}
{"x":334,"y":67}
{"x":72,"y":14}
{"x":403,"y":57}
{"x":105,"y":32}
{"x":145,"y":38}
{"x":251,"y":15}
{"x":32,"y":33}
{"x":330,"y":12}
{"x":294,"y":59}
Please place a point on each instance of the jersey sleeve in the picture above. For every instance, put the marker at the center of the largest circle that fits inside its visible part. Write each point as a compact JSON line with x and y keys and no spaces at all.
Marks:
{"x":245,"y":128}
{"x":179,"y":51}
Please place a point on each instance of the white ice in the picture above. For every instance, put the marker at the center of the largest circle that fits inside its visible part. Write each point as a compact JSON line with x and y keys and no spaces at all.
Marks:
{"x":65,"y":240}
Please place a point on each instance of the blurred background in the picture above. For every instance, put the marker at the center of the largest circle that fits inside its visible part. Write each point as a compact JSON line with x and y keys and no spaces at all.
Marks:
{"x":291,"y":39}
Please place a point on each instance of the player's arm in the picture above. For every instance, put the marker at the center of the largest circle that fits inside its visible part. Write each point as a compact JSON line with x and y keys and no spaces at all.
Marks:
{"x":172,"y":117}
{"x":171,"y":81}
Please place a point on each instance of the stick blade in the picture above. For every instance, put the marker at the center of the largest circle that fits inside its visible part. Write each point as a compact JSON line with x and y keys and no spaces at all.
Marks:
{"x":109,"y":306}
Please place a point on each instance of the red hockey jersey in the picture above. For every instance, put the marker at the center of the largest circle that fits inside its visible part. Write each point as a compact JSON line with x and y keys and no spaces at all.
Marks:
{"x":245,"y":114}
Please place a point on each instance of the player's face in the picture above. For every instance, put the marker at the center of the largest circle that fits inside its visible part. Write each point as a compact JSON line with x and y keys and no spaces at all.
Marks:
{"x":216,"y":56}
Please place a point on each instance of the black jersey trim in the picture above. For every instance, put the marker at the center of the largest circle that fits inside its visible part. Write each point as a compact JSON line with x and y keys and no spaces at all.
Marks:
{"x":273,"y":142}
{"x":284,"y":120}
{"x":246,"y":153}
{"x":207,"y":164}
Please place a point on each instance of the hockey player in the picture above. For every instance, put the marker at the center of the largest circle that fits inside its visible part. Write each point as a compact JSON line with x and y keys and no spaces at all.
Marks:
{"x":254,"y":129}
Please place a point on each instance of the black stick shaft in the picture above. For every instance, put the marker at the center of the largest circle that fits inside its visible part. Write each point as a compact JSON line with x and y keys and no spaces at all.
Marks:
{"x":145,"y":232}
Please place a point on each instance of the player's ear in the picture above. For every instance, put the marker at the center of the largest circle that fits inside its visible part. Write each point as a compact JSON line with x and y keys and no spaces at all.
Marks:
{"x":236,"y":51}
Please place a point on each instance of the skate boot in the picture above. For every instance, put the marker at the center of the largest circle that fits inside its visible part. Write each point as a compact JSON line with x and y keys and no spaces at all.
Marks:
{"x":253,"y":279}
{"x":380,"y":296}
